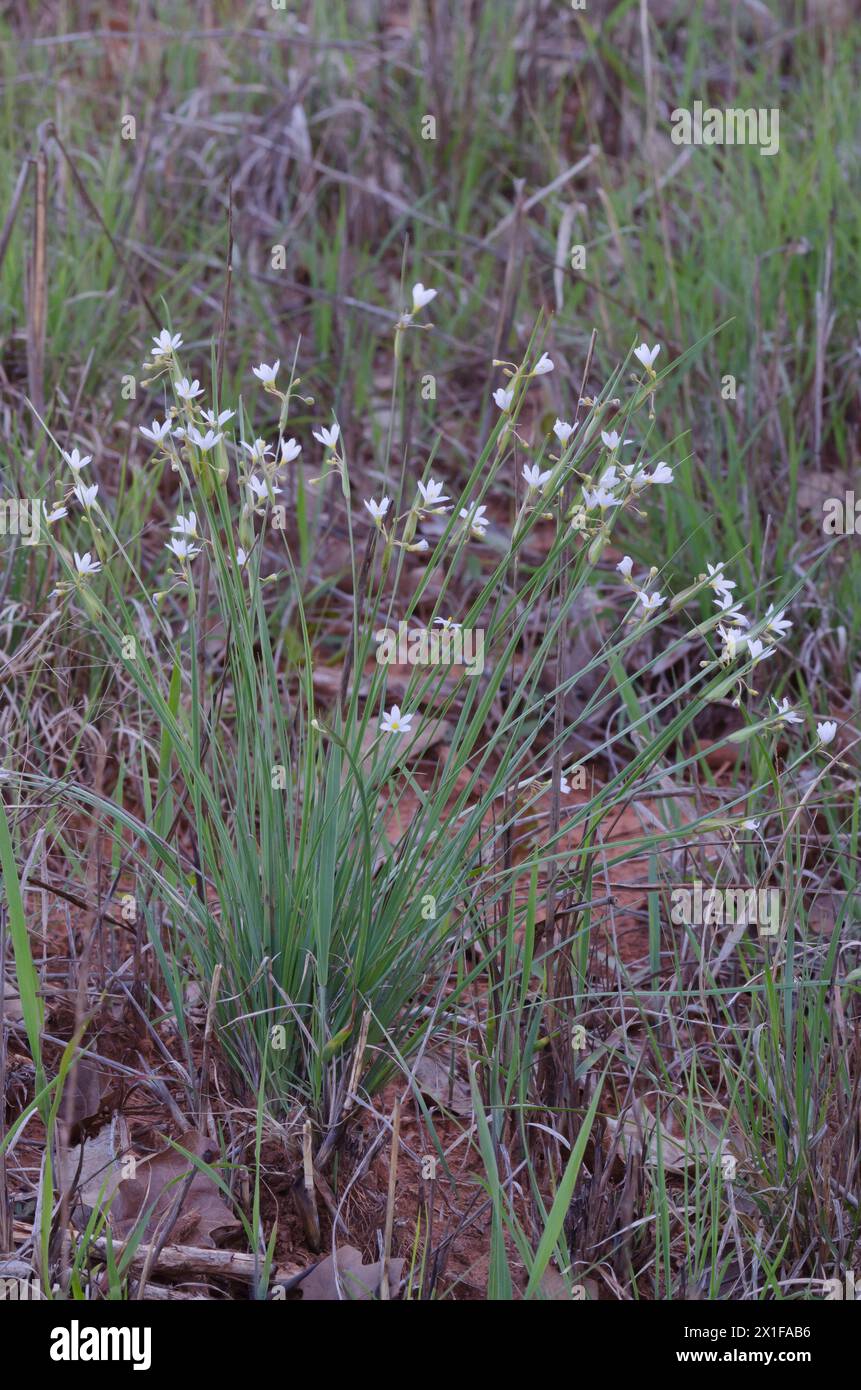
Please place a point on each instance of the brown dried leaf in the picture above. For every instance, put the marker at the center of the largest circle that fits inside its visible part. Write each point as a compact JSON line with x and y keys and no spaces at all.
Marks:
{"x":359,"y":1282}
{"x":205,"y":1219}
{"x":434,"y":1079}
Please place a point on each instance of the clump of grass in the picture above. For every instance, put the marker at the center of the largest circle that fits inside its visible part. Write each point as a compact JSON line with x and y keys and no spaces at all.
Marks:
{"x":293,"y":884}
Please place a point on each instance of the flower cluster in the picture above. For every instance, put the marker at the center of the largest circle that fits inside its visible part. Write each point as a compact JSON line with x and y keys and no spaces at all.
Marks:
{"x":198,"y":444}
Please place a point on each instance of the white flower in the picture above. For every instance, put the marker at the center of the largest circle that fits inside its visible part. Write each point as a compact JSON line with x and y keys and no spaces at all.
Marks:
{"x":775,"y":622}
{"x":563,"y":431}
{"x":784,"y":714}
{"x":181,"y":548}
{"x":204,"y":442}
{"x":165,"y":345}
{"x":732,"y":642}
{"x":75,"y":462}
{"x":750,"y":824}
{"x":647,"y":355}
{"x":448,"y":624}
{"x":599,"y":497}
{"x":717,"y":580}
{"x":267,"y":374}
{"x":260,"y":488}
{"x":758,"y":650}
{"x":476,"y":520}
{"x":534,"y":479}
{"x":241,"y":556}
{"x":650,"y":601}
{"x":421,"y":296}
{"x":85,"y":564}
{"x":257,"y":451}
{"x":625,"y":565}
{"x":662,"y":474}
{"x":186,"y":525}
{"x":612,"y":440}
{"x":86,"y":495}
{"x":394,"y":722}
{"x":826,"y":731}
{"x":432,"y":493}
{"x":290,"y":450}
{"x":54,"y":515}
{"x":187,"y":390}
{"x":328,"y":437}
{"x":216,"y":421}
{"x":418,"y":547}
{"x":542,"y":366}
{"x":378,"y":509}
{"x":731,"y":612}
{"x":503,"y":398}
{"x":158,"y":431}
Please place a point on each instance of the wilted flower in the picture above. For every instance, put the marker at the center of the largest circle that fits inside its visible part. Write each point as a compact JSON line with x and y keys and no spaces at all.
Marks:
{"x":394,"y":722}
{"x":241,"y":556}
